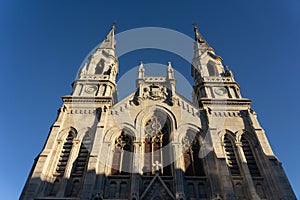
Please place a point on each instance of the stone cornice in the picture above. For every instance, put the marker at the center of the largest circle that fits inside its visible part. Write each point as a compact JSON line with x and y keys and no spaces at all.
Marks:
{"x":73,"y":99}
{"x":209,"y":101}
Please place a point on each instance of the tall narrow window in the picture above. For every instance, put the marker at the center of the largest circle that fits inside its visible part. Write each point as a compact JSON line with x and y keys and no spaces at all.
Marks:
{"x":212,"y":69}
{"x":122,"y":157}
{"x":156,"y":145}
{"x":193,"y":164}
{"x":62,"y":162}
{"x":231,"y":157}
{"x":251,"y":162}
{"x":64,"y":156}
{"x":82,"y":159}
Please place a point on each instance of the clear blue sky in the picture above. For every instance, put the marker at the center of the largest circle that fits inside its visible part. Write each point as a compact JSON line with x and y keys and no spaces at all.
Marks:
{"x":42,"y":44}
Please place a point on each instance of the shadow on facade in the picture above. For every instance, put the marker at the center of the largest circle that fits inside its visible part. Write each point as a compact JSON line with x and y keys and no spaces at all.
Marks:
{"x":131,"y":186}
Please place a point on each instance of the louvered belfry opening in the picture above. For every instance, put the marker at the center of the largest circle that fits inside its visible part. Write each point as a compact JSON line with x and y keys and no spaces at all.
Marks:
{"x":122,"y":156}
{"x":251,"y":162}
{"x":65,"y":154}
{"x":53,"y":189}
{"x":79,"y":168}
{"x":231,"y":157}
{"x":82,"y":159}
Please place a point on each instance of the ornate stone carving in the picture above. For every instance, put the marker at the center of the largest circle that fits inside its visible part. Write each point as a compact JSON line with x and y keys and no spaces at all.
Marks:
{"x":123,"y":142}
{"x":187,"y":141}
{"x":220,"y":91}
{"x":155,"y":92}
{"x":153,"y":127}
{"x":156,"y":165}
{"x":91,"y":89}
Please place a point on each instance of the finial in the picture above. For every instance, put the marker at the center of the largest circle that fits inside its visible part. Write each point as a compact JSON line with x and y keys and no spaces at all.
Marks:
{"x":114,"y":24}
{"x":141,"y":70}
{"x":195,"y":25}
{"x":141,"y":64}
{"x":169,"y":64}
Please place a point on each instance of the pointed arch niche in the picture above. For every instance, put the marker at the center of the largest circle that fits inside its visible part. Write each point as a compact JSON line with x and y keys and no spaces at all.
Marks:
{"x":212,"y":69}
{"x":122,"y":154}
{"x":231,"y":155}
{"x":157,"y":147}
{"x":118,"y":183}
{"x":193,"y":164}
{"x":66,"y":139}
{"x":79,"y":167}
{"x":234,"y":167}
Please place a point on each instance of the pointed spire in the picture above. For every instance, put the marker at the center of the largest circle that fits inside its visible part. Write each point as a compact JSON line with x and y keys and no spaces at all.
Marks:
{"x":141,"y":70}
{"x":109,"y":41}
{"x":200,"y":39}
{"x":170,"y":71}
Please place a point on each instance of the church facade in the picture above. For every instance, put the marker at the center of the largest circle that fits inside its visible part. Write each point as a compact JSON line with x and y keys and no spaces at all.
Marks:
{"x":156,"y":144}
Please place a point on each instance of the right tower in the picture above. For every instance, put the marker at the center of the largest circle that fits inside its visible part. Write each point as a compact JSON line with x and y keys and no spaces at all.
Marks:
{"x":242,"y":164}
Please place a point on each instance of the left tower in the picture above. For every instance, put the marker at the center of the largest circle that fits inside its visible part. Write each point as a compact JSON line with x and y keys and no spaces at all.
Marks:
{"x":61,"y":169}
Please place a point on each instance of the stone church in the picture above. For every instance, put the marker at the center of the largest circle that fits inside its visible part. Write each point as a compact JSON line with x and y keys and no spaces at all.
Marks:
{"x":156,"y":144}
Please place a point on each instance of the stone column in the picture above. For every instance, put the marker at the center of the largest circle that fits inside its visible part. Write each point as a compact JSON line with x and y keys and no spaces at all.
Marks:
{"x":104,"y":161}
{"x":135,"y":176}
{"x":178,"y":170}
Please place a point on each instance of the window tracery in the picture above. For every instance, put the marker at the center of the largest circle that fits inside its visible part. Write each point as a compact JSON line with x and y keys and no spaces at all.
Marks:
{"x":156,"y":148}
{"x":122,"y":154}
{"x":193,"y":164}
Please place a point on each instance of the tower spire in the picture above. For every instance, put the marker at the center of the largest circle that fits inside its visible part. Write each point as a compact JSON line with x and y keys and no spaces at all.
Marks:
{"x":102,"y":66}
{"x":200,"y":40}
{"x":104,"y":59}
{"x":109,"y":41}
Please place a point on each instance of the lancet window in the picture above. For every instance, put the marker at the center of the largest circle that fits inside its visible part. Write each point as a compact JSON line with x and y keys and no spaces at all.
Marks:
{"x":79,"y":167}
{"x":193,"y":163}
{"x":231,"y":157}
{"x":122,"y":157}
{"x":156,"y":149}
{"x":251,"y":162}
{"x":212,"y":69}
{"x":65,"y":154}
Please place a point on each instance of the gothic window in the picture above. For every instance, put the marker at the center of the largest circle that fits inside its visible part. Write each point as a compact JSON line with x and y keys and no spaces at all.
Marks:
{"x":100,"y":66}
{"x":123,"y":190}
{"x":231,"y":157}
{"x":251,"y":162}
{"x":122,"y":154}
{"x":82,"y":158}
{"x":112,"y":189}
{"x":212,"y":69}
{"x":65,"y":153}
{"x":193,"y":164}
{"x":191,"y":191}
{"x":240,"y":194}
{"x":156,"y":146}
{"x":202,"y":191}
